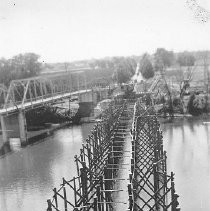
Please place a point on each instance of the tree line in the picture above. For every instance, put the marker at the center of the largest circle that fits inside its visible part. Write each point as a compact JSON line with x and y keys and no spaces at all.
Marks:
{"x":123,"y":68}
{"x":18,"y":67}
{"x":162,"y":59}
{"x":118,"y":69}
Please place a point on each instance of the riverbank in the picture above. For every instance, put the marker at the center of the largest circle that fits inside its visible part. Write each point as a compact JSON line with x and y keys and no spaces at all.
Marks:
{"x":168,"y":119}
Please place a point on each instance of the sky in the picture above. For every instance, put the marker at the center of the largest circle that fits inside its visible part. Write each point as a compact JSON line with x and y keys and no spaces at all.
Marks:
{"x":68,"y":30}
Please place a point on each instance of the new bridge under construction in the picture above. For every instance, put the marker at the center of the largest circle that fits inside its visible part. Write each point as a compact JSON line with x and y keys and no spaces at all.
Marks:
{"x":121,"y":165}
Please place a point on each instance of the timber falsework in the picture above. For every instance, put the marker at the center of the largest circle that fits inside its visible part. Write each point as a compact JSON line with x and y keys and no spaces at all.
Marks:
{"x":121,"y":166}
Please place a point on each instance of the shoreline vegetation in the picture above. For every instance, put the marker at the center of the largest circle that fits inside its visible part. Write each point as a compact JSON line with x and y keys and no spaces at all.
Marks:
{"x":193,"y":105}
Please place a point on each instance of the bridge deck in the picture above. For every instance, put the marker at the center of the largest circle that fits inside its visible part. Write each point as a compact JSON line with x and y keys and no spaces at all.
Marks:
{"x":124,"y":165}
{"x":37,"y":102}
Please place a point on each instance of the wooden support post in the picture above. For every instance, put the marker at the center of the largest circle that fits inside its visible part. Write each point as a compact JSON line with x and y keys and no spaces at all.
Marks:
{"x":49,"y":206}
{"x":133,"y":154}
{"x":99,"y":135}
{"x":132,"y":165}
{"x":96,"y":137}
{"x":165,"y":158}
{"x":84,"y":185}
{"x":165,"y":187}
{"x":176,"y":196}
{"x":55,"y":197}
{"x":165,"y":174}
{"x":76,"y":160}
{"x":75,"y":192}
{"x":105,"y":176}
{"x":102,"y":194}
{"x":129,"y":189}
{"x":95,"y":206}
{"x":173,"y":207}
{"x":65,"y":199}
{"x":89,"y":161}
{"x":94,"y":153}
{"x":133,"y":146}
{"x":83,"y":150}
{"x":130,"y":177}
{"x":155,"y":185}
{"x":64,"y":194}
{"x":98,"y":193}
{"x":81,"y":154}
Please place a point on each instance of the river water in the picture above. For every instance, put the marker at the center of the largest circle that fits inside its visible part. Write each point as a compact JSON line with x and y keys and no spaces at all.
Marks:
{"x":187,"y":142}
{"x":28,"y":176}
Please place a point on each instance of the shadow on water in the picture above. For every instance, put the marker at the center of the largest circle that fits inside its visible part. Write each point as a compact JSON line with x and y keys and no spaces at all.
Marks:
{"x":186,"y":141}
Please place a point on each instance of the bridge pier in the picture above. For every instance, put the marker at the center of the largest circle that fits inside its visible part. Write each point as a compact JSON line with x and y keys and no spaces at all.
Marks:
{"x":101,"y":94}
{"x":14,"y":126}
{"x":22,"y":126}
{"x":4,"y":131}
{"x":87,"y":101}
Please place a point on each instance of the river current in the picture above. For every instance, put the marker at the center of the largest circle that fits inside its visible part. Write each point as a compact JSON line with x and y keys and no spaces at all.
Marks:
{"x":28,"y":176}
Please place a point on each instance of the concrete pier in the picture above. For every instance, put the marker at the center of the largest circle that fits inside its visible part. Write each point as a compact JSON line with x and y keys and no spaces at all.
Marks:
{"x":87,"y":101}
{"x":14,"y":126}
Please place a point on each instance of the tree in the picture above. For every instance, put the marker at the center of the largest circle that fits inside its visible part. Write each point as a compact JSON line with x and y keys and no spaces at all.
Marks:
{"x":186,"y":59}
{"x":163,"y":59}
{"x":146,"y":67}
{"x":20,"y":66}
{"x":130,"y":65}
{"x":26,"y":65}
{"x":184,"y":77}
{"x":120,"y":74}
{"x":5,"y":72}
{"x":124,"y":69}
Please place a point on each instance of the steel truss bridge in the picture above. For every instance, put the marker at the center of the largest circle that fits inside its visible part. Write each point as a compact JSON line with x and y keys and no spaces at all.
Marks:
{"x":121,"y":166}
{"x":37,"y":91}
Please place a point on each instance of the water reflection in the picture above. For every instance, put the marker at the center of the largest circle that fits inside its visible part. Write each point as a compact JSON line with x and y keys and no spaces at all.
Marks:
{"x":188,"y":150}
{"x":28,"y":176}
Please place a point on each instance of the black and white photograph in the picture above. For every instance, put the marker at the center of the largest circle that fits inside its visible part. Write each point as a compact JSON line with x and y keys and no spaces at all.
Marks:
{"x":104,"y":105}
